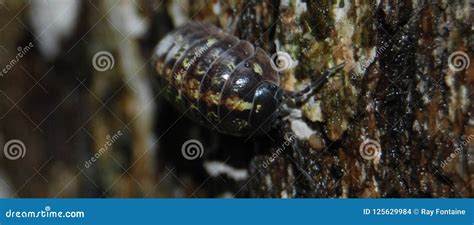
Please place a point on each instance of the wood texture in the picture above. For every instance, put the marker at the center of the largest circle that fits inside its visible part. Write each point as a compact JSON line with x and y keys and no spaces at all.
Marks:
{"x":399,"y":88}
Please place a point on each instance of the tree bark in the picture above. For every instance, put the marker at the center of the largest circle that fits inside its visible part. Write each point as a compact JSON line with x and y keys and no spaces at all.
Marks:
{"x":396,"y":121}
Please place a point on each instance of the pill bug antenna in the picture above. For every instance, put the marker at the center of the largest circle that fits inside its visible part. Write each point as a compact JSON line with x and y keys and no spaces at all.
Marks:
{"x":302,"y":95}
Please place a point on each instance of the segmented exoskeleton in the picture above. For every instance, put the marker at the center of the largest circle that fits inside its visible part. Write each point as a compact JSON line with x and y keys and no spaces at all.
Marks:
{"x":220,"y":81}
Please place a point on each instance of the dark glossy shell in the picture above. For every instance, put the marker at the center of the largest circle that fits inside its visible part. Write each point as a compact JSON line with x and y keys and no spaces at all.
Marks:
{"x":218,"y":80}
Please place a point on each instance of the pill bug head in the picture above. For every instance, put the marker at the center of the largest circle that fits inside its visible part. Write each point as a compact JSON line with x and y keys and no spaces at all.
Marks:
{"x":251,"y":97}
{"x":267,"y":101}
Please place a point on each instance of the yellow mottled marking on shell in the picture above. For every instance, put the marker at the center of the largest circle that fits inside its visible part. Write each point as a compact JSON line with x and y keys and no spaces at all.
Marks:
{"x":219,"y":80}
{"x":257,"y":69}
{"x":211,"y":42}
{"x":181,"y":51}
{"x":186,"y":63}
{"x":231,"y":66}
{"x":179,"y":77}
{"x":211,"y":98}
{"x":257,"y":110}
{"x":159,"y":67}
{"x":194,"y":84}
{"x":194,"y":94}
{"x":240,"y":123}
{"x":192,"y":88}
{"x":213,"y":56}
{"x":200,"y":71}
{"x":235,"y":103}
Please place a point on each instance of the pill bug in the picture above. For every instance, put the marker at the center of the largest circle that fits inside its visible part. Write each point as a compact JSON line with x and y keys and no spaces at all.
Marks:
{"x":220,"y":81}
